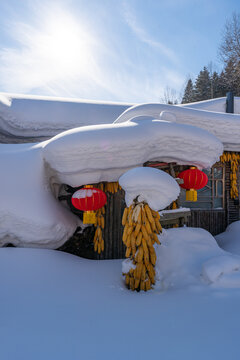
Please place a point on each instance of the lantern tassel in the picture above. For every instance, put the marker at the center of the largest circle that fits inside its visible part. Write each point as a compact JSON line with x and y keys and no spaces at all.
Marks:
{"x":89,"y":217}
{"x":191,"y":195}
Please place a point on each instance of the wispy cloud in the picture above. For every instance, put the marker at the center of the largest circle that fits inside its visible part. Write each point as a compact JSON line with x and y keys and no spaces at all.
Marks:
{"x":143,"y":35}
{"x":58,"y":54}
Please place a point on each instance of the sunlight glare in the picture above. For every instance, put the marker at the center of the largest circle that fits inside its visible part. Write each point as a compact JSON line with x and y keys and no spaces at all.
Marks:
{"x":66,"y":45}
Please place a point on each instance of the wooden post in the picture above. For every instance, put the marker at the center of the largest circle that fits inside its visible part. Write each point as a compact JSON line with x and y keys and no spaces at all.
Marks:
{"x":230,"y":102}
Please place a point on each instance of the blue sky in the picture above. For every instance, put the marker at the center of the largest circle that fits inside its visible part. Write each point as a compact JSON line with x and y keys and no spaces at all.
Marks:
{"x":116,"y":50}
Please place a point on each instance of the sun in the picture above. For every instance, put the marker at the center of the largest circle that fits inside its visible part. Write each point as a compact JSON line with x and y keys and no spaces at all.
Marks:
{"x":65,"y":44}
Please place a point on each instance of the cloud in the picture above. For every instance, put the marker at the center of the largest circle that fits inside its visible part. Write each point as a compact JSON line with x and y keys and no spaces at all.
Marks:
{"x":144,"y":37}
{"x":58,"y":54}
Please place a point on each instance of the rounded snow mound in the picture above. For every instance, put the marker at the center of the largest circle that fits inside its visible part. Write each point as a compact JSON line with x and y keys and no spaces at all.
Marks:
{"x":190,"y":257}
{"x":229,"y":240}
{"x":154,"y":186}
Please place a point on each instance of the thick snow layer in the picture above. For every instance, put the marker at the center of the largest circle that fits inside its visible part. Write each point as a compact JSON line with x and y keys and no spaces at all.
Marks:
{"x":223,"y":270}
{"x":190,"y":256}
{"x":229,"y":240}
{"x":25,"y":118}
{"x":31,"y":216}
{"x":29,"y":213}
{"x":56,"y":306}
{"x":226,"y":127}
{"x":154,"y":186}
{"x":92,"y":154}
{"x":216,"y":105}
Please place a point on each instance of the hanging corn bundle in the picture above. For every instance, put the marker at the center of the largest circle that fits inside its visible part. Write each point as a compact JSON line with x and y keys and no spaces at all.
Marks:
{"x":234,"y":160}
{"x":112,"y":187}
{"x":98,"y":239}
{"x":174,"y":205}
{"x":141,"y":226}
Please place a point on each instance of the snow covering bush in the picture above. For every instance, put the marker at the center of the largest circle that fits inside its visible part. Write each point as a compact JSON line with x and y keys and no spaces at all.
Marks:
{"x":191,"y":256}
{"x":229,"y":240}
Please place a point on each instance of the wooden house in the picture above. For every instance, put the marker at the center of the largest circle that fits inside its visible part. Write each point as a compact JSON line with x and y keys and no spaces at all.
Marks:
{"x":215,"y":209}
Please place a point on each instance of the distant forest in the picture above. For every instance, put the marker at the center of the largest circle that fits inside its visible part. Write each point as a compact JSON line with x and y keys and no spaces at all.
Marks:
{"x":210,"y":84}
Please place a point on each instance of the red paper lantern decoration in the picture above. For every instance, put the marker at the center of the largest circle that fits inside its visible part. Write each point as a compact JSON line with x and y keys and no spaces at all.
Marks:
{"x":193,"y":179}
{"x":89,"y":199}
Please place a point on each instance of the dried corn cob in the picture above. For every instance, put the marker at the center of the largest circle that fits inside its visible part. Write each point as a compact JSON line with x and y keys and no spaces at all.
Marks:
{"x":141,"y":226}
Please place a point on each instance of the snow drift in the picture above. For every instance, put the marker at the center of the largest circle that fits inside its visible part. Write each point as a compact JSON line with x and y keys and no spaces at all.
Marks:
{"x":59,"y":306}
{"x":229,"y":240}
{"x":191,"y":256}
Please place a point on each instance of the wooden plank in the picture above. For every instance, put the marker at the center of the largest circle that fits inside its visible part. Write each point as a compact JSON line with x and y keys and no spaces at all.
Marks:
{"x":210,"y":220}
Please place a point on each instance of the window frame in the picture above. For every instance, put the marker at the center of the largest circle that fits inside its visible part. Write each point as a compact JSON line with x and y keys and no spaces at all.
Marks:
{"x":213,"y":187}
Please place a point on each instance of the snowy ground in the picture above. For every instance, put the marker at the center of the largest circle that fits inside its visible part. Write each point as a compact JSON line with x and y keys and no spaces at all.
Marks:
{"x":58,"y":306}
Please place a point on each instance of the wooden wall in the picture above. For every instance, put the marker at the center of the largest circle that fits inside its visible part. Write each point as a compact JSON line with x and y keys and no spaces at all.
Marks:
{"x":231,"y":206}
{"x":114,"y":247}
{"x":213,"y":221}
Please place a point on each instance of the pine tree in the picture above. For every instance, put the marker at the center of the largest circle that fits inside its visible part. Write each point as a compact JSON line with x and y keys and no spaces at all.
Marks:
{"x":222,"y":86}
{"x":203,"y":85}
{"x":215,"y":91}
{"x":232,"y":78}
{"x":188,"y":95}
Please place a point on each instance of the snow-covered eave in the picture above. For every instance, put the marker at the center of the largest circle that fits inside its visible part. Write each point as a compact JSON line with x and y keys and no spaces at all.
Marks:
{"x":226,"y":127}
{"x":92,"y":154}
{"x":29,"y":118}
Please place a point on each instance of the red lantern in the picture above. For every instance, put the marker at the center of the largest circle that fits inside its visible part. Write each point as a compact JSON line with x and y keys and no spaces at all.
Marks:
{"x":89,"y":199}
{"x":193,"y":179}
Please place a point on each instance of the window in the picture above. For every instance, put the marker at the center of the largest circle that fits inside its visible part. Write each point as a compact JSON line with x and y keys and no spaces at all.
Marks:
{"x":212,"y":195}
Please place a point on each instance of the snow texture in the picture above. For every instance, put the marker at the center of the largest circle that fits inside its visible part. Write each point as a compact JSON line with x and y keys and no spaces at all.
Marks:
{"x":190,"y":256}
{"x":216,"y":105}
{"x":58,"y":306}
{"x":226,"y":127}
{"x":92,"y":154}
{"x":83,"y":193}
{"x":127,"y":265}
{"x":223,"y":270}
{"x":28,"y":118}
{"x":229,"y":240}
{"x":153,"y":186}
{"x":29,"y":213}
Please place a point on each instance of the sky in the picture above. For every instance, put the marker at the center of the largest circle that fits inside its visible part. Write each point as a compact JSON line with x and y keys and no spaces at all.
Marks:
{"x":112,"y":50}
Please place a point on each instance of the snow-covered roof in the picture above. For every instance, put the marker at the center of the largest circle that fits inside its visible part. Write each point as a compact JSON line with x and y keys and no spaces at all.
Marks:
{"x":226,"y":127}
{"x":91,"y":154}
{"x":25,"y":118}
{"x":29,"y":118}
{"x":31,"y":173}
{"x":216,"y":105}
